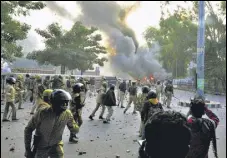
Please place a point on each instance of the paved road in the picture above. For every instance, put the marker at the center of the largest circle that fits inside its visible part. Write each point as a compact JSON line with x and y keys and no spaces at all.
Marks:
{"x":102,"y":140}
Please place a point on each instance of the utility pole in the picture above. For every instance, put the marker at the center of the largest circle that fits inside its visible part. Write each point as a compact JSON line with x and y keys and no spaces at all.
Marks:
{"x":200,"y":49}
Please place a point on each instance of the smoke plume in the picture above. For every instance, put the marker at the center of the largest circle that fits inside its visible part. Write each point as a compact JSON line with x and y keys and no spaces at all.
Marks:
{"x":109,"y":17}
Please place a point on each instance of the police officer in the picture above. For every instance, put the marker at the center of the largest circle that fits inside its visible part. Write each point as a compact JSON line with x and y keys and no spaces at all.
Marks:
{"x":49,"y":124}
{"x":132,"y":97}
{"x":39,"y":94}
{"x":10,"y":98}
{"x":26,"y":86}
{"x":122,"y":88}
{"x":47,"y":82}
{"x":78,"y":102}
{"x":168,"y":94}
{"x":46,"y":99}
{"x":158,"y":88}
{"x":118,"y":90}
{"x":19,"y":90}
{"x":99,"y":102}
{"x":139,"y":105}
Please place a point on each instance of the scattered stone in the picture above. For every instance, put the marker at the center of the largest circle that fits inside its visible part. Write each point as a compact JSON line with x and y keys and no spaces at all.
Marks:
{"x":6,"y":138}
{"x":127,"y":151}
{"x":117,"y":156}
{"x":98,"y":137}
{"x":12,"y":148}
{"x":91,"y":140}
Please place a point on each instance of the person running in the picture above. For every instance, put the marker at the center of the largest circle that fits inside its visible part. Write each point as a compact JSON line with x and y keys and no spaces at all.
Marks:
{"x":49,"y":124}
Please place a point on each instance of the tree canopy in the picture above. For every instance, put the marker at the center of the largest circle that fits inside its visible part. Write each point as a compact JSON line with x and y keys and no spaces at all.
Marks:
{"x":78,"y":48}
{"x":177,"y":37}
{"x":13,"y":30}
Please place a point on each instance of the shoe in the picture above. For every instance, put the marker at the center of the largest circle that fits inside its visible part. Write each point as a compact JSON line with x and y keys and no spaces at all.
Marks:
{"x":91,"y":118}
{"x":124,"y":111}
{"x":73,"y":138}
{"x":5,"y":120}
{"x":15,"y":119}
{"x":134,"y":112}
{"x":20,"y":108}
{"x":31,"y":113}
{"x":105,"y":121}
{"x":168,"y":107}
{"x":101,"y":118}
{"x":122,"y":107}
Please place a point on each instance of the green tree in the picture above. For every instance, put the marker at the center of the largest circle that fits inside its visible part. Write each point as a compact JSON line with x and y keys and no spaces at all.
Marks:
{"x":177,"y":36}
{"x":78,"y":48}
{"x":13,"y":30}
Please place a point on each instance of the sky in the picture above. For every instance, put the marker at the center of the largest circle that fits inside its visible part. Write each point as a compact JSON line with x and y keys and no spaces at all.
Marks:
{"x":147,"y":15}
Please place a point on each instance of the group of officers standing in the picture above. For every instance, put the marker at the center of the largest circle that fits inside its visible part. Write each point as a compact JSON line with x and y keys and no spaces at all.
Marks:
{"x":51,"y":97}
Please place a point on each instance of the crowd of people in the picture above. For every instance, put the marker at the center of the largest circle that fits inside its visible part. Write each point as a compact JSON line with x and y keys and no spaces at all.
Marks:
{"x":166,"y":134}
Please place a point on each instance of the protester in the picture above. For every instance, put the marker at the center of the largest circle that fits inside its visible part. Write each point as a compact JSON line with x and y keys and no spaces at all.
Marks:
{"x":167,"y":136}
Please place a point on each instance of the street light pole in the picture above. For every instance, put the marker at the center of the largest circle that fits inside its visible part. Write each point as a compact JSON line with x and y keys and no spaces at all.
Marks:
{"x":201,"y":49}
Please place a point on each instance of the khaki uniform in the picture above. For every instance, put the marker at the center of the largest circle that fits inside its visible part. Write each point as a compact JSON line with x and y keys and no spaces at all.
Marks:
{"x":141,"y":98}
{"x":10,"y":99}
{"x":132,"y":98}
{"x":158,"y":91}
{"x":39,"y":97}
{"x":49,"y":128}
{"x":76,"y":108}
{"x":19,"y":93}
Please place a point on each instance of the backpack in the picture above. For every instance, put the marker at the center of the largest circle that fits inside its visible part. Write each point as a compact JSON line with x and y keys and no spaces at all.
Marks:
{"x":153,"y":109}
{"x":68,"y":84}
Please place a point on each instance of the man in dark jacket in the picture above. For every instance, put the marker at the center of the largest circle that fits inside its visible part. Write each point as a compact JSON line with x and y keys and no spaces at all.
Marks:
{"x":150,"y":106}
{"x":202,"y":130}
{"x":122,"y":88}
{"x":109,"y":101}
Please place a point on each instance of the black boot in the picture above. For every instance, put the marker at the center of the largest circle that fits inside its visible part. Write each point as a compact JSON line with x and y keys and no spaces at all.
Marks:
{"x":73,"y":138}
{"x":101,"y":118}
{"x":91,"y":118}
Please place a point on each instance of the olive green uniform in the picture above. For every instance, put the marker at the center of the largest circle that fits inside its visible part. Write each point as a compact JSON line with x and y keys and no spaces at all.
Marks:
{"x":19,"y":93}
{"x":49,"y":128}
{"x":10,"y":99}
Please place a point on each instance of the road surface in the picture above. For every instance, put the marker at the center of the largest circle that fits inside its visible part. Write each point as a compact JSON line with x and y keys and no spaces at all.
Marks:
{"x":100,"y":140}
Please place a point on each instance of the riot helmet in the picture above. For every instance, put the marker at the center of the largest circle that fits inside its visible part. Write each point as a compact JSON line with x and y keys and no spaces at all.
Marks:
{"x":59,"y":99}
{"x":11,"y":80}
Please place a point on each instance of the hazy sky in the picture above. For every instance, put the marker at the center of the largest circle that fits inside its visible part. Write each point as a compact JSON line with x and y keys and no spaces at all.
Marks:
{"x":147,"y":15}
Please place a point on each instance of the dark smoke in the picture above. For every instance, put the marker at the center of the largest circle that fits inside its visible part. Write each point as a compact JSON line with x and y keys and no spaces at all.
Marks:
{"x":106,"y":16}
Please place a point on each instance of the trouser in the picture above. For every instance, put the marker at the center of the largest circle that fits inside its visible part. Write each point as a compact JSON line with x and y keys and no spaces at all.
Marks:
{"x":122,"y":96}
{"x":110,"y":112}
{"x":131,"y":99}
{"x":159,"y":96}
{"x":118,"y":94}
{"x":142,"y":126}
{"x":8,"y":104}
{"x":55,"y":151}
{"x":19,"y":99}
{"x":168,"y":99}
{"x":77,"y":115}
{"x":28,"y":94}
{"x":35,"y":106}
{"x":97,"y":107}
